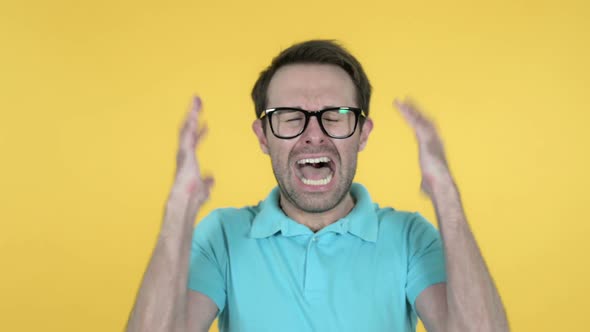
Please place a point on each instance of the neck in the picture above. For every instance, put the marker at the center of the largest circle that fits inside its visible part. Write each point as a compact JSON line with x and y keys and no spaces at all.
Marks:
{"x":317,"y":221}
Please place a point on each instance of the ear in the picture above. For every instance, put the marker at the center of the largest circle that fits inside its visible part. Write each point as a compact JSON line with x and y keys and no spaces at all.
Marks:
{"x":367,"y":127}
{"x":259,"y":132}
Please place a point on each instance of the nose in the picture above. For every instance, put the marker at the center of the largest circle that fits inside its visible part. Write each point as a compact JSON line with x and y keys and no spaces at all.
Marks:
{"x":313,"y":134}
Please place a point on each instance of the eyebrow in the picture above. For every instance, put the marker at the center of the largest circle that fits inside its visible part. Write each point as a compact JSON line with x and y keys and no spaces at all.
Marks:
{"x":321,"y":109}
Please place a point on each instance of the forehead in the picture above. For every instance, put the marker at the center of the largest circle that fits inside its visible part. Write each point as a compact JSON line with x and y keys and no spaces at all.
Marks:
{"x":311,"y":86}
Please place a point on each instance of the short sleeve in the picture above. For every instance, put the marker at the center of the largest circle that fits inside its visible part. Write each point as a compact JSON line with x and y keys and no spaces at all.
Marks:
{"x":207,"y":272}
{"x":426,"y":261}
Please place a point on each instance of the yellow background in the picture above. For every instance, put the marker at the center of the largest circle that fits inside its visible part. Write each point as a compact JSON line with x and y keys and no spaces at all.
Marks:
{"x":92,"y":94}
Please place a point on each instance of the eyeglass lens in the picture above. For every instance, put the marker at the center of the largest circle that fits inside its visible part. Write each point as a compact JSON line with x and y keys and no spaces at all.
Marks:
{"x":336,"y":123}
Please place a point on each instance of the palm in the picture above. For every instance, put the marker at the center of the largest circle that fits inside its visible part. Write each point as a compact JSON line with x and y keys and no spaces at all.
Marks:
{"x":433,"y":163}
{"x":188,"y":179}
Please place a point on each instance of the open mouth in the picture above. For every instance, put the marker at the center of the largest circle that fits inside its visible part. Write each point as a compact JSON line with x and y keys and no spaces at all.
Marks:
{"x":315,"y":171}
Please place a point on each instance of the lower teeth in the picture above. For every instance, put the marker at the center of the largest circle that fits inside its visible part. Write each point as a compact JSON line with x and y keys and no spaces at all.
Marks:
{"x":317,"y":182}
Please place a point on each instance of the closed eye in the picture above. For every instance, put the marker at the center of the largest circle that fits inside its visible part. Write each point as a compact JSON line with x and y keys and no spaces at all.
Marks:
{"x":293,"y":120}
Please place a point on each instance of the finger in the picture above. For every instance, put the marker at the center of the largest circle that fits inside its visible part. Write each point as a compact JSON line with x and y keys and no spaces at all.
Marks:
{"x":208,"y":182}
{"x":410,"y":110}
{"x":200,"y":134}
{"x":421,"y":117}
{"x":407,"y":112}
{"x":423,"y":127}
{"x":189,"y":128}
{"x":192,"y":111}
{"x":201,"y":194}
{"x":196,"y":109}
{"x":200,"y":185}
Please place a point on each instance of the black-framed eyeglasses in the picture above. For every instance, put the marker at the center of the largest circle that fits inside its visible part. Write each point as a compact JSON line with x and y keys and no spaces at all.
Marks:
{"x":335,"y":122}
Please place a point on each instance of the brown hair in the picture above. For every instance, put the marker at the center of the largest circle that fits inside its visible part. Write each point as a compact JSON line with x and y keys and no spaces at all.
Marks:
{"x":320,"y":52}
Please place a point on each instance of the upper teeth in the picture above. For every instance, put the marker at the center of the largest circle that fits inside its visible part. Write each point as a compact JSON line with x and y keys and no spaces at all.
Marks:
{"x":314,"y":160}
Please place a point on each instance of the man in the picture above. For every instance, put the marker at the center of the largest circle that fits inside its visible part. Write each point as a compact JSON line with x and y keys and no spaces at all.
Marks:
{"x":317,"y":254}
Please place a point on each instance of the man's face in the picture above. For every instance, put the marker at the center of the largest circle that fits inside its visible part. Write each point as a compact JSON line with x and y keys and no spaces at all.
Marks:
{"x":314,"y":171}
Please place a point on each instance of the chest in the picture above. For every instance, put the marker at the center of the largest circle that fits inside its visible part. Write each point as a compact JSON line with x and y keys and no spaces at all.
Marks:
{"x":333,"y":282}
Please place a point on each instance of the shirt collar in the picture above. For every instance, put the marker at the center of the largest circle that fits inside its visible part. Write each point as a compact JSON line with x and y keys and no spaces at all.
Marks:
{"x":362,"y":220}
{"x":270,"y":217}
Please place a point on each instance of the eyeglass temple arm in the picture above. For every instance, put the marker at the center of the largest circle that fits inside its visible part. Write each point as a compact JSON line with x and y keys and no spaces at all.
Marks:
{"x":265,"y":112}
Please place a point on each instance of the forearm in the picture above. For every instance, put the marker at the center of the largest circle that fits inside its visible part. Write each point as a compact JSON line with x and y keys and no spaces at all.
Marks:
{"x":472,"y":299}
{"x":162,"y":299}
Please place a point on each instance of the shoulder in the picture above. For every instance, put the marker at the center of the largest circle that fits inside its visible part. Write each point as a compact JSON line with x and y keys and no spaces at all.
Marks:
{"x":229,"y":217}
{"x":226,"y":221}
{"x":390,"y":217}
{"x":405,"y":226}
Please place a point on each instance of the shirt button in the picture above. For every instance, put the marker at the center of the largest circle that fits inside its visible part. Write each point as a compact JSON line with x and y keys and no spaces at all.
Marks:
{"x":314,"y":239}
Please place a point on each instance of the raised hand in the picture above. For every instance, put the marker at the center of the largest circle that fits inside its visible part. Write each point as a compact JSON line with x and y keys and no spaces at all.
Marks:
{"x":433,"y":162}
{"x":162,"y":301}
{"x":188,"y":181}
{"x":470,"y":296}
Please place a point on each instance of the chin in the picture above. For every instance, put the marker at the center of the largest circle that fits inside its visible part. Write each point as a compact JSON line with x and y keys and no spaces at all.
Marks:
{"x":317,"y":201}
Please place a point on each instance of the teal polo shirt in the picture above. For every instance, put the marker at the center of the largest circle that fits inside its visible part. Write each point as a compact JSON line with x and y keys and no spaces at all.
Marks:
{"x":266,"y":272}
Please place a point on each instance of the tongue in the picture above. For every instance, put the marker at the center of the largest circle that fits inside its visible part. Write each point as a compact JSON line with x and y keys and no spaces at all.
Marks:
{"x":315,"y":173}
